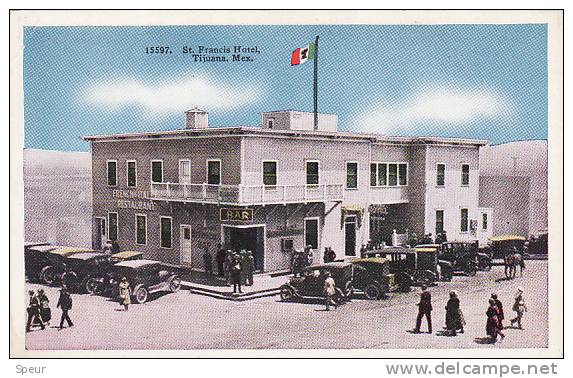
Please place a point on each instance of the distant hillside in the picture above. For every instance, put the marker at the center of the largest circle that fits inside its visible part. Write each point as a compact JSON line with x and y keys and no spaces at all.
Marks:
{"x":56,"y":163}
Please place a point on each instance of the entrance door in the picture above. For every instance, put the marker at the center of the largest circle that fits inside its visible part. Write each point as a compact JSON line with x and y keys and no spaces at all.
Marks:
{"x":350,"y":236}
{"x":100,"y":233}
{"x":249,"y":239}
{"x":185,"y":244}
{"x":184,"y":171}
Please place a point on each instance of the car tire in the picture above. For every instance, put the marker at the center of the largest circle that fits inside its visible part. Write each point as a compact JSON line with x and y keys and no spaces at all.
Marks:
{"x":48,"y":275}
{"x":174,"y":284}
{"x":287,"y":293}
{"x":92,"y":286}
{"x":372,"y":291}
{"x":141,"y":294}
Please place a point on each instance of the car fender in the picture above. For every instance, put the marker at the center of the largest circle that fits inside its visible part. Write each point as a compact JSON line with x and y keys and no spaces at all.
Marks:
{"x":294,"y":289}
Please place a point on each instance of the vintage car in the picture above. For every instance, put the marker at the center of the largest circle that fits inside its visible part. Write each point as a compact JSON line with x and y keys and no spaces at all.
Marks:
{"x":144,"y":276}
{"x":463,"y":255}
{"x":126,"y":255}
{"x":414,"y":266}
{"x":41,"y":262}
{"x":372,"y":277}
{"x":311,"y":282}
{"x":537,"y":243}
{"x":78,"y":269}
{"x":500,"y":246}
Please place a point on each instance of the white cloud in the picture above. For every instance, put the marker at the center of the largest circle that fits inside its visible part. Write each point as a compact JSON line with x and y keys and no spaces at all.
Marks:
{"x":441,"y":108}
{"x":172,"y":96}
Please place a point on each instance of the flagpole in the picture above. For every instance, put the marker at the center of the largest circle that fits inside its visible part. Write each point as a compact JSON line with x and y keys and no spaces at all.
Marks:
{"x":315,"y":92}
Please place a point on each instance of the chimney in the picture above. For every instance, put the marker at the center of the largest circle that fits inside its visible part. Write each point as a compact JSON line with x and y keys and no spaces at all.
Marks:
{"x":196,"y":119}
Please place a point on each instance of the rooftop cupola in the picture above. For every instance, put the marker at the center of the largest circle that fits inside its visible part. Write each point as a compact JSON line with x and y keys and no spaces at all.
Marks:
{"x":196,"y":119}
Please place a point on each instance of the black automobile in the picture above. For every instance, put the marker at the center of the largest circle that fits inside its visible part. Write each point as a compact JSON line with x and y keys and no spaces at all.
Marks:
{"x":78,"y":269}
{"x":372,"y":277}
{"x":311,"y":282}
{"x":145,"y":277}
{"x":44,"y":263}
{"x":464,"y":256}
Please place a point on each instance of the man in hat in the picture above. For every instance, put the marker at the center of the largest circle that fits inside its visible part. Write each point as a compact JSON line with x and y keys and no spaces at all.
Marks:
{"x":248,"y":267}
{"x":65,"y":303}
{"x":424,"y":309}
{"x":124,"y":293}
{"x":519,"y":307}
{"x":221,"y":254}
{"x":33,"y":311}
{"x":207,"y":261}
{"x":236,"y":273}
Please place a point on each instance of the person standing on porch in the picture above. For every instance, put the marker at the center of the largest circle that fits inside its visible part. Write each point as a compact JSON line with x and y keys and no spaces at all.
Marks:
{"x":207,"y":261}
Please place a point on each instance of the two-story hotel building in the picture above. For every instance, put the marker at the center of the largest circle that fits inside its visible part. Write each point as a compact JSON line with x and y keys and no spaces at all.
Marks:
{"x":283,"y":185}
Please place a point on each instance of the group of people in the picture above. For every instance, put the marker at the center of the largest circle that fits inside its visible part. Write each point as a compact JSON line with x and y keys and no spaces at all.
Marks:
{"x":236,"y":266}
{"x":455,"y":321}
{"x":39,"y":312}
{"x":300,"y":259}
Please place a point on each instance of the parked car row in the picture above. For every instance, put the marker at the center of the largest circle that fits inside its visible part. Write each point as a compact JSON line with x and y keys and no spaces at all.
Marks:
{"x":88,"y":271}
{"x":380,"y":271}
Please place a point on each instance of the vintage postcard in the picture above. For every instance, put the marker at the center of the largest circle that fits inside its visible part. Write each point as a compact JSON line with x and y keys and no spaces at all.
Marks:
{"x":334,"y":183}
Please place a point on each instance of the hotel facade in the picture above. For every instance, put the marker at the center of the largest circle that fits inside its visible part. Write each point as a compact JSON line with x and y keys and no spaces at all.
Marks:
{"x":283,"y":185}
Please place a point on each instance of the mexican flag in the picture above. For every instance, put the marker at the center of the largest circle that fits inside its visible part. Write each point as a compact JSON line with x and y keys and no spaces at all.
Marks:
{"x":302,"y":54}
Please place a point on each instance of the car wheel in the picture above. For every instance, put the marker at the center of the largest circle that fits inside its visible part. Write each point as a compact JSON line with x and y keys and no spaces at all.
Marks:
{"x":372,"y":291}
{"x":287,"y":293}
{"x":175,"y":284}
{"x":141,"y":295}
{"x":48,"y":275}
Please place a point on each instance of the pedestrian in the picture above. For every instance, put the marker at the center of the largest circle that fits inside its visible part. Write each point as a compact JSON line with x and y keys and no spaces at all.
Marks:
{"x":45,"y":311}
{"x":107,"y":247}
{"x":519,"y":307}
{"x":413,"y":239}
{"x":492,"y":325}
{"x":248,"y":267}
{"x":454,"y":316}
{"x":124,"y":293}
{"x":207,"y":261}
{"x":329,"y":291}
{"x":307,"y":257}
{"x":499,"y":305}
{"x":33,"y":311}
{"x":326,"y":256}
{"x":236,"y":274}
{"x":65,"y":303}
{"x":114,"y":247}
{"x":229,"y":256}
{"x":363,"y":250}
{"x":331,"y":254}
{"x":424,"y":309}
{"x":220,"y":260}
{"x":297,"y":262}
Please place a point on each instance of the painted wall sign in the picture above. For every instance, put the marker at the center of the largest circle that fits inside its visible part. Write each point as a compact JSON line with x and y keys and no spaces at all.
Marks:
{"x":133,"y":199}
{"x":236,"y":214}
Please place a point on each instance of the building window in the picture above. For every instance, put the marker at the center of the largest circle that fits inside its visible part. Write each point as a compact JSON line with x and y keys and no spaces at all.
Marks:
{"x":382,"y":174}
{"x":484,"y":221}
{"x":312,"y":173}
{"x":165,"y":232}
{"x":131,"y":173}
{"x":269,"y":173}
{"x":184,"y":171}
{"x":351,"y":175}
{"x":156,"y":170}
{"x":439,"y":221}
{"x":311,"y":232}
{"x":373,"y":174}
{"x":464,"y":220}
{"x":140,"y":229}
{"x":214,"y":172}
{"x":465,"y":174}
{"x":389,"y":174}
{"x":112,"y":226}
{"x":112,"y":172}
{"x":440,"y":174}
{"x":270,"y":123}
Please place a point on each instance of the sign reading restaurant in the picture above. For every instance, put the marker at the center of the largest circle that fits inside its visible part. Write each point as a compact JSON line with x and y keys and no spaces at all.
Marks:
{"x":236,"y":214}
{"x":133,"y":199}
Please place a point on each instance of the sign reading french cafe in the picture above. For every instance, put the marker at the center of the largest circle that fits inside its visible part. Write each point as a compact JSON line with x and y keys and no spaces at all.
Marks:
{"x":133,"y":199}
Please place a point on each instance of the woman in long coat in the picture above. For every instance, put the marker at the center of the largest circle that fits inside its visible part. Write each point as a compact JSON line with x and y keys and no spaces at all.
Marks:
{"x":492,"y":325}
{"x":45,"y":311}
{"x":125,"y":293}
{"x":454,"y":317}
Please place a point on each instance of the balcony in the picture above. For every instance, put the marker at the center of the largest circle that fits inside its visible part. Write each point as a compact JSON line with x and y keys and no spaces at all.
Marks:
{"x":244,"y":195}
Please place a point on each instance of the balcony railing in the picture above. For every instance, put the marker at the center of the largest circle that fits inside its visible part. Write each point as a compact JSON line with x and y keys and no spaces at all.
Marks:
{"x":246,"y":194}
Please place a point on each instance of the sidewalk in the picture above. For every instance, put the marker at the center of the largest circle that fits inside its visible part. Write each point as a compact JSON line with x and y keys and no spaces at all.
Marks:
{"x":264,"y":285}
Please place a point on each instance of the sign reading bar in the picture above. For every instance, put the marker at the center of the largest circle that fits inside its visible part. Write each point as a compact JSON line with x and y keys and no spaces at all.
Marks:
{"x":234,"y":214}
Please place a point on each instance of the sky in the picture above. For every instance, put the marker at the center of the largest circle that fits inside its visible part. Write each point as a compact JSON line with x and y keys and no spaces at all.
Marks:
{"x":469,"y":81}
